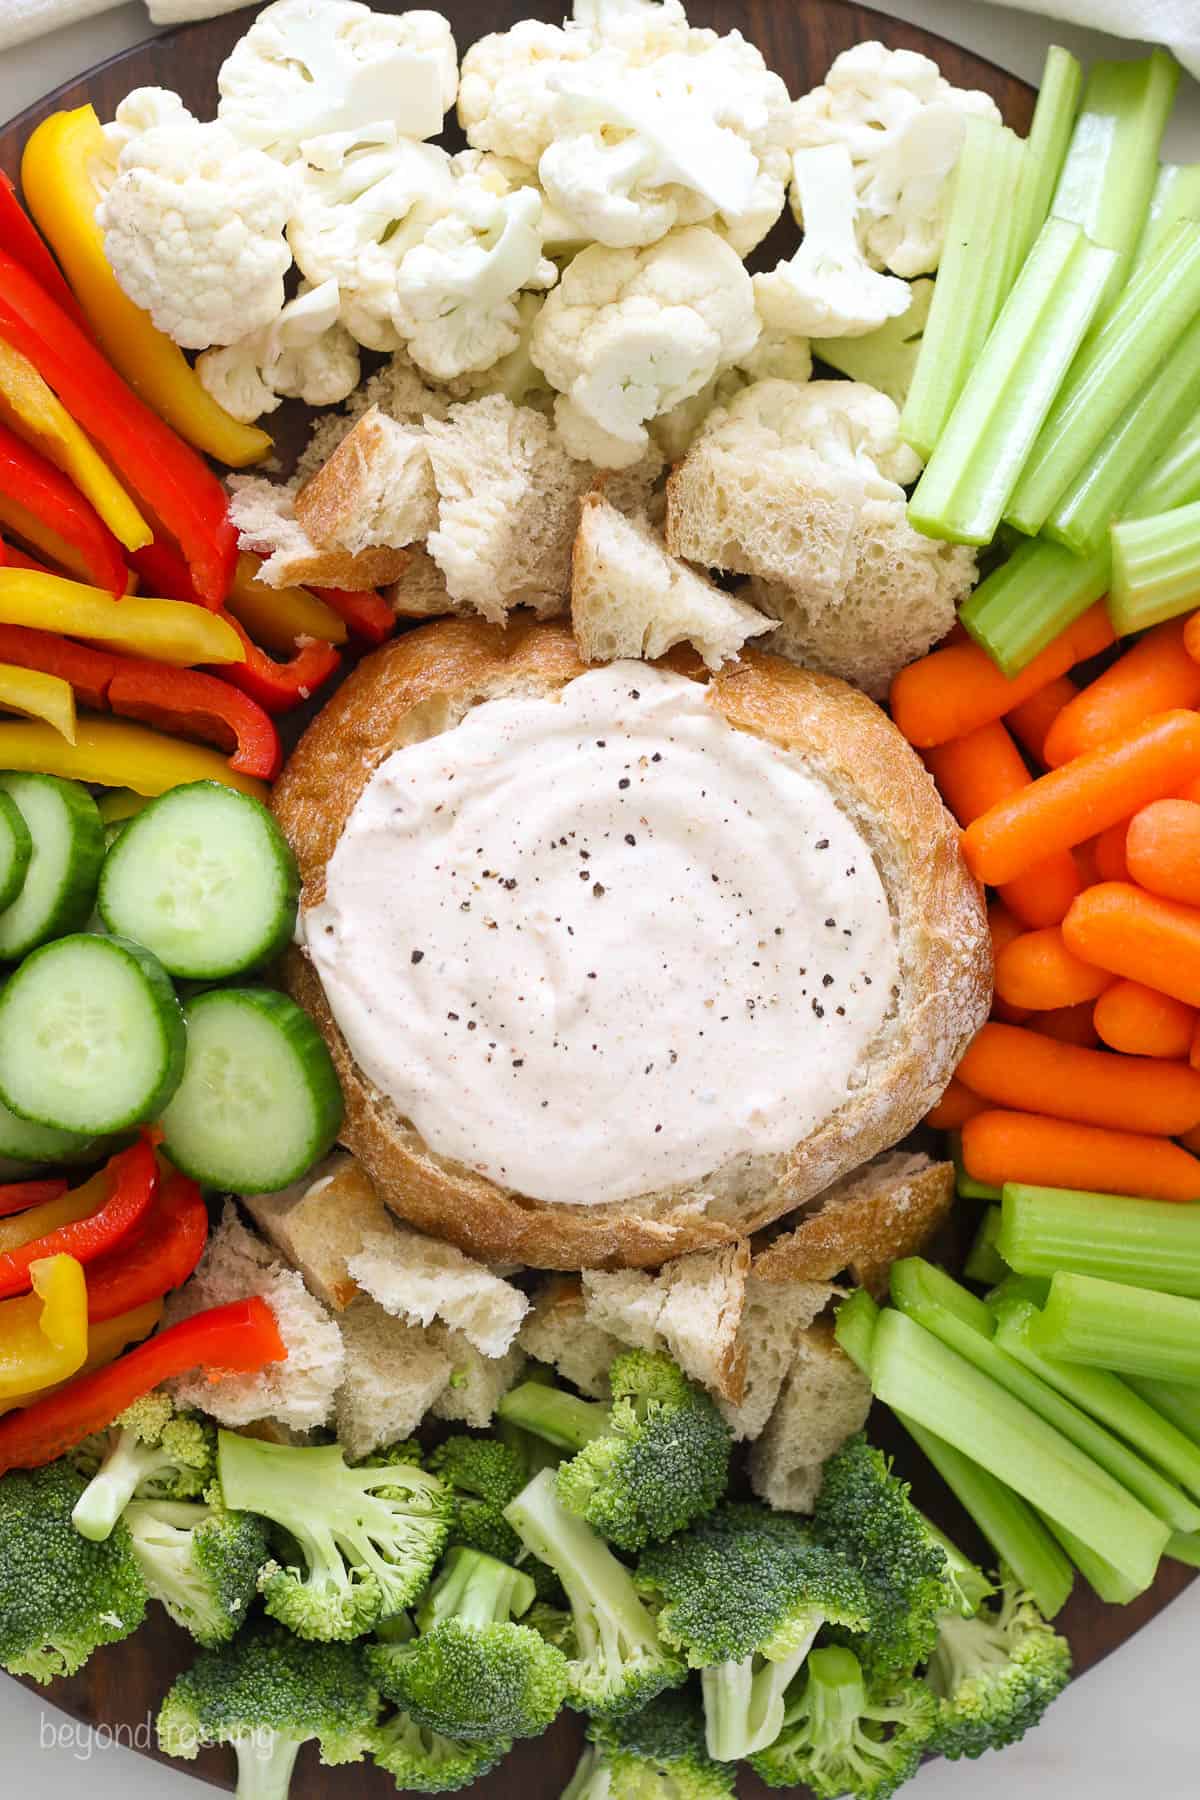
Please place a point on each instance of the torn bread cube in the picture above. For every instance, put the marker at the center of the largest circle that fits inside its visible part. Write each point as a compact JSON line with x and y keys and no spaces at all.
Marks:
{"x":421,"y":1279}
{"x":824,"y":1401}
{"x":320,"y":1222}
{"x":376,"y":490}
{"x":264,"y":516}
{"x":556,"y":1330}
{"x":393,"y":1375}
{"x":477,"y":1383}
{"x":691,"y":1310}
{"x":298,"y":1392}
{"x":774,"y":1316}
{"x":631,"y":597}
{"x":864,"y":1223}
{"x":421,"y":591}
{"x":508,"y":507}
{"x":625,"y":1305}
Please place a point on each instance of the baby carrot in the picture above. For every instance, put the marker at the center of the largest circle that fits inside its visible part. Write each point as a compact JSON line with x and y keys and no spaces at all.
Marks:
{"x":1118,"y":927}
{"x":1155,"y":676}
{"x":956,"y":689}
{"x":1191,"y":1140}
{"x":1084,"y":797}
{"x":1163,"y":849}
{"x":1025,"y":1070}
{"x":1004,"y":928}
{"x":1030,"y":722}
{"x":1085,"y":861}
{"x":1194,"y":1049}
{"x":1014,"y":1146}
{"x":1069,"y":1024}
{"x":1037,"y":971}
{"x":956,"y":1106}
{"x":976,"y":772}
{"x":1109,"y":852}
{"x":1142,"y":1022}
{"x":1191,"y":636}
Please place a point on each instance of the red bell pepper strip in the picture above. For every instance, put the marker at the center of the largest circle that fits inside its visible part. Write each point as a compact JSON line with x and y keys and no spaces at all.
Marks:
{"x":158,"y":1255}
{"x":238,"y":1338}
{"x":133,"y":1181}
{"x":12,"y":558}
{"x":19,"y":1196}
{"x":20,"y":237}
{"x":366,"y":613}
{"x":164,"y":574}
{"x":279,"y":686}
{"x":160,"y":468}
{"x":88,"y":670}
{"x":46,"y":493}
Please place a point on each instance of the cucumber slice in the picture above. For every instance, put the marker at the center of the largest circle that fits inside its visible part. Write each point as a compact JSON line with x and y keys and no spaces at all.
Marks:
{"x":205,"y":878}
{"x":23,"y":1142}
{"x":259,"y":1102}
{"x":16,"y":849}
{"x":92,"y":1037}
{"x":59,"y":888}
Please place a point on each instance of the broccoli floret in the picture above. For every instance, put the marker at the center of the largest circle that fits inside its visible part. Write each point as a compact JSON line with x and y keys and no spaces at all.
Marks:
{"x":422,"y":1761}
{"x":366,"y":1538}
{"x":661,"y":1751}
{"x":266,"y":1695}
{"x":743,"y":1595}
{"x":199,"y":1561}
{"x":995,"y":1674}
{"x":969,"y":1587}
{"x":619,"y":1663}
{"x":151,"y":1452}
{"x":864,"y":1511}
{"x":483,"y":1475}
{"x":646,"y":1466}
{"x":61,"y":1597}
{"x":846,"y":1734}
{"x":472,"y":1673}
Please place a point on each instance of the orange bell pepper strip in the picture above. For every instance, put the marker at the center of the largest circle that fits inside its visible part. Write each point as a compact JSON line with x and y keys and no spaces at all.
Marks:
{"x":111,"y":753}
{"x":34,"y":412}
{"x":156,"y":1257}
{"x":44,"y":1338}
{"x":163,"y":630}
{"x":56,"y":173}
{"x":127,"y":1183}
{"x":239,"y":1338}
{"x":54,"y":509}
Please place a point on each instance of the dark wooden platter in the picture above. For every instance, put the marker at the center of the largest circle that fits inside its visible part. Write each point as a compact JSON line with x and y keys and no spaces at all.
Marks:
{"x":121,"y":1686}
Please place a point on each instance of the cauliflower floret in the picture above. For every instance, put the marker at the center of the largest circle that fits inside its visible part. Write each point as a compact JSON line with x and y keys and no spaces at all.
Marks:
{"x":516,"y":376}
{"x":903,"y":125}
{"x":849,"y":425}
{"x":828,"y":289}
{"x":309,"y":67}
{"x":504,"y":101}
{"x":193,"y":229}
{"x":303,"y":355}
{"x":640,"y":29}
{"x":454,"y":298}
{"x":628,"y":334}
{"x":777,"y":354}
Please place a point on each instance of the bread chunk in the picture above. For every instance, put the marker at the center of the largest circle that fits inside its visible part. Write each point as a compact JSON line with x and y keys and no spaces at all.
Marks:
{"x":774,"y":1316}
{"x":477,"y":1383}
{"x":556,"y":1330}
{"x":825,"y":1400}
{"x":319,"y":1223}
{"x":264,"y":514}
{"x":394,"y":1373}
{"x":375,"y":491}
{"x":864,"y":1223}
{"x":690,"y":1311}
{"x":420,"y":1279}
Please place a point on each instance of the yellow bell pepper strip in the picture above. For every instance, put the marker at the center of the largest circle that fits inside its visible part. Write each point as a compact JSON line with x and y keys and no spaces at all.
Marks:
{"x":276,"y":617}
{"x":24,"y":524}
{"x":33,"y":410}
{"x":167,"y":631}
{"x":39,"y":696}
{"x":44,"y":1336}
{"x":105,"y":1342}
{"x":113,"y":754}
{"x":56,"y":174}
{"x":119,"y":804}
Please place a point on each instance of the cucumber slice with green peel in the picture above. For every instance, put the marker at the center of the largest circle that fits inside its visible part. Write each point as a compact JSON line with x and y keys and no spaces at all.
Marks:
{"x":16,"y":849}
{"x":23,"y":1142}
{"x":205,"y":878}
{"x":59,"y":887}
{"x":259,"y":1102}
{"x":92,"y":1037}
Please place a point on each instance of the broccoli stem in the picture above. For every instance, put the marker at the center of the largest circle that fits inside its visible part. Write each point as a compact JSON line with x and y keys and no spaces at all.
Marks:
{"x":265,"y":1763}
{"x":562,"y":1419}
{"x":744,"y":1701}
{"x":592,"y":1779}
{"x":108,"y":1493}
{"x":476,"y":1589}
{"x":1113,"y":1236}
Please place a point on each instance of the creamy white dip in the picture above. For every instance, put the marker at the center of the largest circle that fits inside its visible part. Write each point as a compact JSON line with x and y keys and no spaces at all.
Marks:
{"x":597,"y":945}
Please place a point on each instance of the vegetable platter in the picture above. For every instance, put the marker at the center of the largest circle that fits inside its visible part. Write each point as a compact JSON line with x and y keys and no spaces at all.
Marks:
{"x":123,"y":1685}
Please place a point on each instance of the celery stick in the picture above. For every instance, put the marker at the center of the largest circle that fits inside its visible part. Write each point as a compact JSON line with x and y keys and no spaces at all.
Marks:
{"x":1176,"y":196}
{"x":1107,"y":1398}
{"x":1156,"y":1493}
{"x":1174,"y":1400}
{"x":1184,"y":1547}
{"x":1018,"y":1287}
{"x":918,"y":1285}
{"x":1146,"y":1243}
{"x":1046,"y":145}
{"x":1155,"y":568}
{"x":1152,"y":421}
{"x":1106,"y":1582}
{"x":1010,"y":1525}
{"x":1108,"y":1325}
{"x":919,"y":1377}
{"x":1024,"y":604}
{"x":1118,"y":360}
{"x":1112,"y":161}
{"x":1175,"y":478}
{"x":1011,"y":388}
{"x":884,"y":359}
{"x":969,"y":291}
{"x":984,"y":1262}
{"x":854,"y":1328}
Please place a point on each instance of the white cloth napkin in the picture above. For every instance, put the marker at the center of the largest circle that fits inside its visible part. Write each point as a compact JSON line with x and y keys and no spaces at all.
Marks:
{"x":21,"y":20}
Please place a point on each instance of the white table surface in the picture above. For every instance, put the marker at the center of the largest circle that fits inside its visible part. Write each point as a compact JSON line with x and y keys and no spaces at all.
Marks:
{"x":1126,"y":1730}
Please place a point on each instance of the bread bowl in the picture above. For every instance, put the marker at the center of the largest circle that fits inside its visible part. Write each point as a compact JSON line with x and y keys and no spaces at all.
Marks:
{"x":866,"y":1083}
